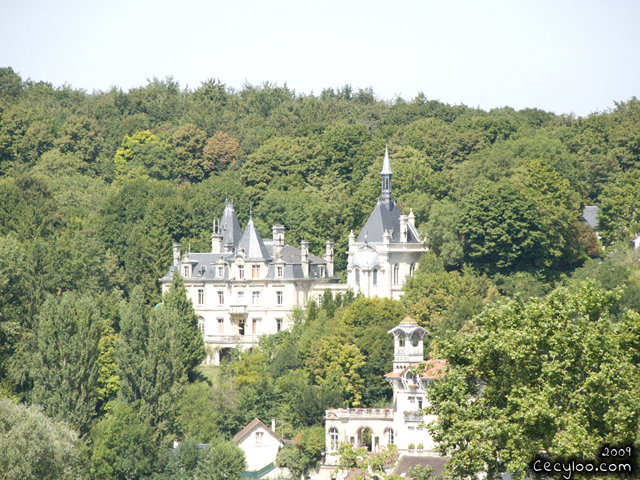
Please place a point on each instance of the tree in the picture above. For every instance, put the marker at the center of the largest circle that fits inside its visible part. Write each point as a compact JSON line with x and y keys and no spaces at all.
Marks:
{"x":33,"y":446}
{"x":554,"y":375}
{"x":64,"y":355}
{"x":80,"y":135}
{"x":150,"y":365}
{"x":618,"y":218}
{"x":224,"y":461}
{"x":188,"y":146}
{"x":366,"y":466}
{"x":186,"y":328}
{"x":123,"y":445}
{"x":219,"y":152}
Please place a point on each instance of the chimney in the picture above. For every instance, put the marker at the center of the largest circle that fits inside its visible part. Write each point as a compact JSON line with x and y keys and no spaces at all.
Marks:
{"x":176,"y":254}
{"x":216,"y":239}
{"x":403,"y":228}
{"x":386,"y":238}
{"x":328,"y":257}
{"x":278,"y":239}
{"x":273,"y":425}
{"x":304,"y":252}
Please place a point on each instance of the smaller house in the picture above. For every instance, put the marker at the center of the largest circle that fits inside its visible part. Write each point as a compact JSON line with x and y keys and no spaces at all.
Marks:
{"x":260,"y":445}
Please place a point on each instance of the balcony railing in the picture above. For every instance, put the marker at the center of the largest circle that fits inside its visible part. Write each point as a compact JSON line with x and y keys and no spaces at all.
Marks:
{"x":360,"y":413}
{"x":231,"y":339}
{"x":413,"y":416}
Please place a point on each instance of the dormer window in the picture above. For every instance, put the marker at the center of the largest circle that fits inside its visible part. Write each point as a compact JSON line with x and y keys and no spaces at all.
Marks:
{"x":322,"y":271}
{"x":241,"y":272}
{"x":221,"y":271}
{"x":279,"y":272}
{"x":185,"y":271}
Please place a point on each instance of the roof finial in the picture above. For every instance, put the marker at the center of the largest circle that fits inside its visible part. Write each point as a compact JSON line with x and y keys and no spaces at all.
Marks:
{"x":250,"y":210}
{"x":386,"y":165}
{"x":189,"y":248}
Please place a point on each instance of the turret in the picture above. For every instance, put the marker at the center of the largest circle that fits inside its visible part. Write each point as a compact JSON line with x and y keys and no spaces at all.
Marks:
{"x":408,"y":344}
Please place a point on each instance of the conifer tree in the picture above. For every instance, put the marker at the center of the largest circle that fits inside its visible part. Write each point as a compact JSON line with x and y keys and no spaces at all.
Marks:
{"x":185,"y":325}
{"x":64,"y":362}
{"x":150,"y":364}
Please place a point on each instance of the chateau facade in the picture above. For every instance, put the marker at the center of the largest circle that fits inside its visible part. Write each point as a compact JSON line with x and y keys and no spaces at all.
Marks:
{"x":247,"y":287}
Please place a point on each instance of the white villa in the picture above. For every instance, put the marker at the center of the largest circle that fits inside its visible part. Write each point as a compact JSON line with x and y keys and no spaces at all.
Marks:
{"x":402,"y":423}
{"x":246,"y":286}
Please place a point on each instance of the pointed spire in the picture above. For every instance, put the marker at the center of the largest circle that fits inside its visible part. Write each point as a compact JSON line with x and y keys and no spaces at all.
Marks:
{"x":386,"y":165}
{"x":386,"y":179}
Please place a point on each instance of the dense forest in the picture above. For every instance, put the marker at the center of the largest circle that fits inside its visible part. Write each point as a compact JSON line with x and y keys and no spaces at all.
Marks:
{"x":96,"y":380}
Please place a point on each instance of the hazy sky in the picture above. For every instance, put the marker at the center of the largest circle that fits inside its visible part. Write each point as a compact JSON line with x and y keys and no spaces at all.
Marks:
{"x":563,"y":56}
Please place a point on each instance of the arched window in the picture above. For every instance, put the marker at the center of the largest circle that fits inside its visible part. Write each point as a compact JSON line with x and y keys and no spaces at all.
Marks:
{"x":357,"y":277}
{"x":375,"y":276}
{"x":401,"y":341}
{"x":414,"y":340}
{"x":412,"y":269}
{"x":201,"y":324}
{"x":333,"y":440}
{"x":396,"y":274}
{"x":389,"y":434}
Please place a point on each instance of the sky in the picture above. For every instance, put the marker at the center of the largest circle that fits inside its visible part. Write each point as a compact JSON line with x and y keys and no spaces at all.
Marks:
{"x":568,"y":57}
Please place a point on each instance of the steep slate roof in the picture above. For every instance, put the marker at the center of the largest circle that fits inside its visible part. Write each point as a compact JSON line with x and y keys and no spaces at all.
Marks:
{"x":385,"y":216}
{"x":251,"y":242}
{"x":229,"y":225}
{"x":253,"y":424}
{"x":590,"y":215}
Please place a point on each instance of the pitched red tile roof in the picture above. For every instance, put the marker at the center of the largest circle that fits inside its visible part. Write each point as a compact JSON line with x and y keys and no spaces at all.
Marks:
{"x":434,"y":368}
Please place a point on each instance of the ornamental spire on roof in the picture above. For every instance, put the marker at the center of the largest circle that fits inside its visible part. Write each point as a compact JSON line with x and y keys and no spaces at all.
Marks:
{"x":386,"y":165}
{"x":386,"y":178}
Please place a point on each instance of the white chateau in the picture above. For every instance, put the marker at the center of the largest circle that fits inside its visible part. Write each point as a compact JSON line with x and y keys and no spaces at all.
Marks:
{"x":246,"y":286}
{"x":402,"y":423}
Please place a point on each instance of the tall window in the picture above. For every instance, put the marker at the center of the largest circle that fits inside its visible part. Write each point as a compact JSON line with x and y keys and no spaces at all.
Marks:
{"x":201,"y":324}
{"x":201,"y":296}
{"x":185,"y":271}
{"x":414,"y":340}
{"x":357,"y":277}
{"x":221,"y":297}
{"x":322,"y":271}
{"x":375,"y":276}
{"x":255,"y":298}
{"x":401,"y":341}
{"x":389,"y":434}
{"x":259,"y":438}
{"x":240,"y":298}
{"x":278,"y":324}
{"x":220,"y":326}
{"x":221,"y":272}
{"x":412,"y":269}
{"x":241,"y":327}
{"x":279,"y":297}
{"x":255,"y":271}
{"x":254,"y":326}
{"x":333,"y":440}
{"x":396,"y":274}
{"x":241,"y":272}
{"x":279,"y":272}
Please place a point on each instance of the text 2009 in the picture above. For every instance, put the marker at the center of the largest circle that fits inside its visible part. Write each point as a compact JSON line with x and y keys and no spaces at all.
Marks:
{"x":615,"y":452}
